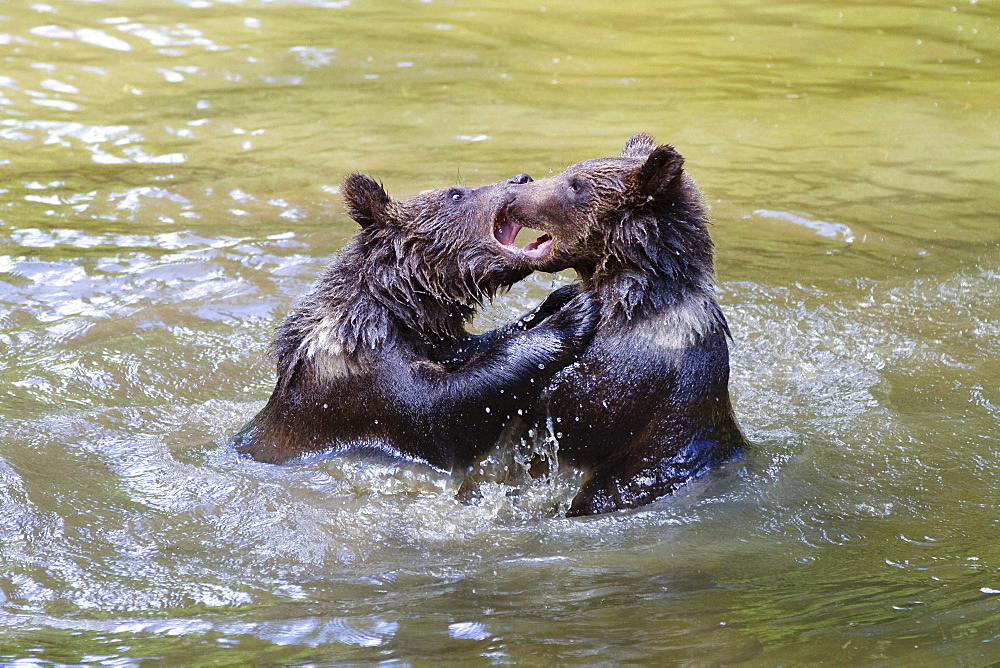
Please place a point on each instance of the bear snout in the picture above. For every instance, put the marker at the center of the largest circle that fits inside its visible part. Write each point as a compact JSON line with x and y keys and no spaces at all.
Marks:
{"x":520,"y":179}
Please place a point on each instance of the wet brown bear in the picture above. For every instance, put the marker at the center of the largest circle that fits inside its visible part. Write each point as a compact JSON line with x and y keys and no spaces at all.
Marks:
{"x":354,"y":357}
{"x":647,"y":407}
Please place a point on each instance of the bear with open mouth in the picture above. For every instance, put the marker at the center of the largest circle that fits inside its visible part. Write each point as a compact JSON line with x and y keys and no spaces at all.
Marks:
{"x":359,"y":358}
{"x":647,"y":407}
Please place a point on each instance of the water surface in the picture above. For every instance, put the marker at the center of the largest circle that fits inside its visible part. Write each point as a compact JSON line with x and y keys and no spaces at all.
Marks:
{"x":170,"y":175}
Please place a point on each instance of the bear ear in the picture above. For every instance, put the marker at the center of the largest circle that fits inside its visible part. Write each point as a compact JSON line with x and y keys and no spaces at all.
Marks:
{"x":639,"y":146}
{"x":663,"y":166}
{"x":367,"y":201}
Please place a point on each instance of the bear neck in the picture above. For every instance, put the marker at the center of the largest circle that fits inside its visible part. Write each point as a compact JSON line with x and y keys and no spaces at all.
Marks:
{"x":366,"y":299}
{"x":652,"y":261}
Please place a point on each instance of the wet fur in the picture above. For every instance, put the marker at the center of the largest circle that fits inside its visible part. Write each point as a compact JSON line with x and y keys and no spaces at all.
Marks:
{"x":647,"y":407}
{"x":356,"y":361}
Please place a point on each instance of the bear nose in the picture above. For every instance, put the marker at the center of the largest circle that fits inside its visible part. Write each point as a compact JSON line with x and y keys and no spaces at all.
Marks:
{"x":520,"y":178}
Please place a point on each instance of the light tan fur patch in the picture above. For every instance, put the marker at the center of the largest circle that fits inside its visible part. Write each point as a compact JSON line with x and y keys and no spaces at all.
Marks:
{"x":682,"y":325}
{"x":325,"y":352}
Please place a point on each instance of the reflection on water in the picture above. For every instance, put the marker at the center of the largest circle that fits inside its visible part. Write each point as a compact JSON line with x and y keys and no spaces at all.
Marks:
{"x":170,"y":187}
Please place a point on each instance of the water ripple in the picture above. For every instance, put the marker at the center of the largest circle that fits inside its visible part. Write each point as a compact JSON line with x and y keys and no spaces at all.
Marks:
{"x":90,"y":36}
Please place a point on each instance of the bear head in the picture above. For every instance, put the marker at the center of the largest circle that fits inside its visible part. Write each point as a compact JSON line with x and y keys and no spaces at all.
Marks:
{"x":605,"y":215}
{"x":450,"y":247}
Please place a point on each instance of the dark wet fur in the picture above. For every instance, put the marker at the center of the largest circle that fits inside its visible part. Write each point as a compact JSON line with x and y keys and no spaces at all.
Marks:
{"x":354,"y":359}
{"x":647,"y":407}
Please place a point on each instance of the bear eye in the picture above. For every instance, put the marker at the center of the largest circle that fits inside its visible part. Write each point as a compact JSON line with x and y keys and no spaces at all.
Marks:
{"x":455,"y":195}
{"x":574,"y":185}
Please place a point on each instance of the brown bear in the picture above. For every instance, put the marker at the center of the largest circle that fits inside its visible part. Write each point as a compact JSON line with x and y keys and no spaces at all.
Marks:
{"x":358,"y":358}
{"x":647,"y":407}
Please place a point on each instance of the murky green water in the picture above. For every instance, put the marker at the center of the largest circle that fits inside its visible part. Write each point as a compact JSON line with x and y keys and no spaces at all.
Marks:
{"x":169,"y":175}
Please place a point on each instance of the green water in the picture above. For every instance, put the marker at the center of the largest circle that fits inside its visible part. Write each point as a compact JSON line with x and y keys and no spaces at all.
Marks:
{"x":169,"y":188}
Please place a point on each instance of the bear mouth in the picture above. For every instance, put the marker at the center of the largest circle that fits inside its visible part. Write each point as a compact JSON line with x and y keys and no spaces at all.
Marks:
{"x":505,"y":231}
